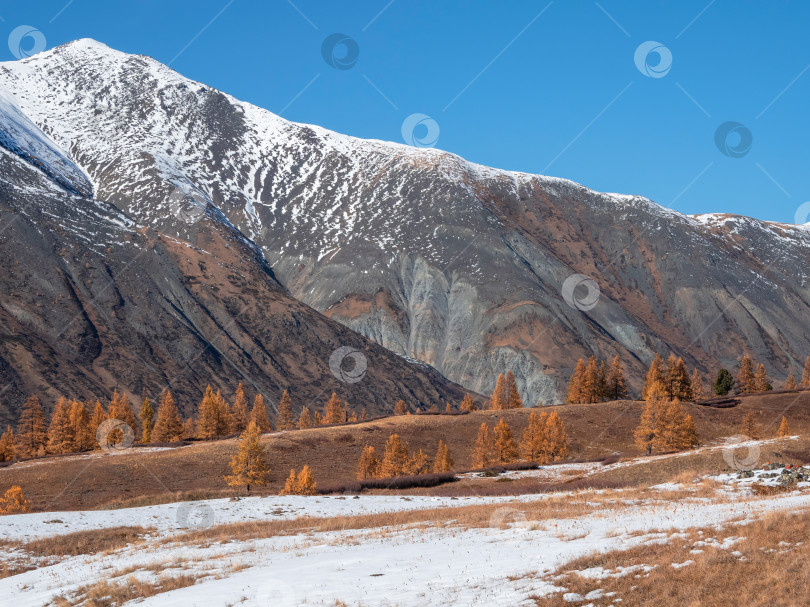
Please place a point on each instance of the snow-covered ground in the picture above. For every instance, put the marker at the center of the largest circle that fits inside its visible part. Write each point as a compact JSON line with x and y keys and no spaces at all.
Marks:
{"x":433,"y":565}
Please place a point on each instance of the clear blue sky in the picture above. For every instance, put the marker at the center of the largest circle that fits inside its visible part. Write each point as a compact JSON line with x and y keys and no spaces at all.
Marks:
{"x":558,"y":93}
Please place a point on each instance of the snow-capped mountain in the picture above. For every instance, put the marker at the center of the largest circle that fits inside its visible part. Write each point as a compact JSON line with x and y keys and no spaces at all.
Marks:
{"x":451,"y":263}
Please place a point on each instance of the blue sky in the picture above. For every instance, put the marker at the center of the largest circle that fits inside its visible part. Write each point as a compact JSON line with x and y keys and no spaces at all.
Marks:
{"x":551,"y":88}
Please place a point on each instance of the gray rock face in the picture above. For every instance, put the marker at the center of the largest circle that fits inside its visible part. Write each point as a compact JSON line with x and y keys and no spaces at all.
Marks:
{"x":454,"y":264}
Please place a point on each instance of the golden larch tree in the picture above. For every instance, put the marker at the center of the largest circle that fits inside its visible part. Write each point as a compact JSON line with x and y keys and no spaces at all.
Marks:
{"x":784,"y":428}
{"x":675,"y":429}
{"x":248,"y":465}
{"x":120,"y":408}
{"x":60,"y":431}
{"x":484,"y":453}
{"x":443,"y":462}
{"x":655,"y":375}
{"x":533,"y":444}
{"x":467,"y":403}
{"x":448,"y":408}
{"x":97,"y":417}
{"x":678,"y":383}
{"x":590,"y":382}
{"x":790,"y":382}
{"x":647,"y":428}
{"x":761,"y":383}
{"x":32,"y":433}
{"x":498,"y":399}
{"x":418,"y":463}
{"x":805,"y":385}
{"x":300,"y":484}
{"x":369,"y":464}
{"x":241,"y":412}
{"x":83,"y":438}
{"x":575,"y":387}
{"x":168,"y":426}
{"x":557,"y":445}
{"x":285,"y":419}
{"x":305,"y":419}
{"x":8,"y":448}
{"x":225,"y":423}
{"x":395,"y":458}
{"x":147,"y":417}
{"x":745,"y":377}
{"x":14,"y":501}
{"x":207,"y":415}
{"x":258,"y":415}
{"x":334,"y":412}
{"x":616,"y":384}
{"x":749,"y":426}
{"x":505,"y":447}
{"x":513,"y":400}
{"x":697,"y":385}
{"x":400,"y":407}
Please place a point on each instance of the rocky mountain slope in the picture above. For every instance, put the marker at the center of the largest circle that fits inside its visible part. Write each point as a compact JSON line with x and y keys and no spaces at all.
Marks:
{"x":90,"y":300}
{"x":451,"y":263}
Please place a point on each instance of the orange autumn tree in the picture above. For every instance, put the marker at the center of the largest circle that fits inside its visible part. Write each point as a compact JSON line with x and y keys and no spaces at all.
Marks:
{"x":498,"y":399}
{"x":60,"y":430}
{"x":697,"y":385}
{"x":533,"y":444}
{"x":513,"y":400}
{"x":258,"y":415}
{"x":443,"y":461}
{"x":790,"y":382}
{"x":467,"y":403}
{"x":285,"y":420}
{"x":784,"y":428}
{"x":575,"y":388}
{"x":241,"y":413}
{"x":616,"y":387}
{"x":745,"y":377}
{"x":400,"y":407}
{"x":300,"y":484}
{"x":305,"y":419}
{"x":369,"y":464}
{"x":334,"y":412}
{"x":505,"y":447}
{"x":484,"y":452}
{"x":97,"y":417}
{"x":761,"y":383}
{"x":655,"y":375}
{"x":147,"y":417}
{"x":32,"y":433}
{"x":395,"y":458}
{"x":168,"y":426}
{"x":248,"y":465}
{"x":805,"y":385}
{"x":8,"y":448}
{"x":14,"y":502}
{"x":556,"y":438}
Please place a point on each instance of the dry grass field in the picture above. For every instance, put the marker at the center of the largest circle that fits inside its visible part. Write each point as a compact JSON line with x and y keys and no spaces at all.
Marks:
{"x":140,"y":476}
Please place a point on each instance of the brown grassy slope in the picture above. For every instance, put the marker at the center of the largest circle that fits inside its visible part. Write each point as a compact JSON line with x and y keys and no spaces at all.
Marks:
{"x":90,"y":481}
